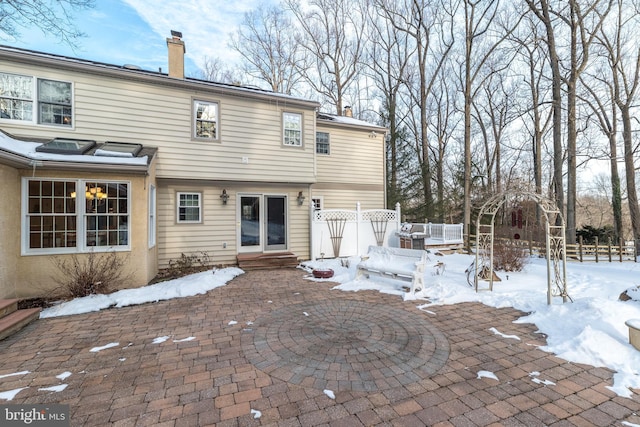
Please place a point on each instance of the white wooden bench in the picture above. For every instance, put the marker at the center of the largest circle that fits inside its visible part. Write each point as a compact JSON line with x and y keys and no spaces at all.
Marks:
{"x":396,"y":263}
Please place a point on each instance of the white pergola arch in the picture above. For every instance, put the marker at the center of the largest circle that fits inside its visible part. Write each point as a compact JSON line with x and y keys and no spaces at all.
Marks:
{"x":555,"y":241}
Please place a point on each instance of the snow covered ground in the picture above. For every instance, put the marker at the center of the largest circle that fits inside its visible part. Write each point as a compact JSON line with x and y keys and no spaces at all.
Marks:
{"x":589,"y":330}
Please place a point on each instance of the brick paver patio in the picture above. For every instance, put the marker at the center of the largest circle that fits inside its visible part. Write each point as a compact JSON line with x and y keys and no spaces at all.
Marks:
{"x":263,"y":350}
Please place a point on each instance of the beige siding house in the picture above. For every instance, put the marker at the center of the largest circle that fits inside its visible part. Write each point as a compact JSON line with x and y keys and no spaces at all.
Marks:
{"x":98,"y":158}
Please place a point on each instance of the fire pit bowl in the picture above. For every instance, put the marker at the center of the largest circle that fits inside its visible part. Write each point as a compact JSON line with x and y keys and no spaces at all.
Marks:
{"x":322,"y":273}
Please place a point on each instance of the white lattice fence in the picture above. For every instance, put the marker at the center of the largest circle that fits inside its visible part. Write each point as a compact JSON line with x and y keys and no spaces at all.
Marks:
{"x":343,"y":233}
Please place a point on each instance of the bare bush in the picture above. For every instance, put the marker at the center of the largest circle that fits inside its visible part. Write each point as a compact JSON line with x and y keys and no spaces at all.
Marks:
{"x":187,"y":264}
{"x":509,"y":256}
{"x":87,"y":274}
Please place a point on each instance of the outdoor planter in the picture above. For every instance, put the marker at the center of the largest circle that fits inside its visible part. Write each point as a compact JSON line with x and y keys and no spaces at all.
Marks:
{"x":322,"y":273}
{"x":634,"y":332}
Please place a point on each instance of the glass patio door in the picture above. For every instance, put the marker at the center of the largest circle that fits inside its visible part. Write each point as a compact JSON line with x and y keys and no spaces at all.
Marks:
{"x":250,"y":224}
{"x":263,"y":223}
{"x":276,"y":222}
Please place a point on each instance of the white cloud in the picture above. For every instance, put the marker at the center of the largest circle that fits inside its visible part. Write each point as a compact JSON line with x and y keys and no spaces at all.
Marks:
{"x":205,"y":26}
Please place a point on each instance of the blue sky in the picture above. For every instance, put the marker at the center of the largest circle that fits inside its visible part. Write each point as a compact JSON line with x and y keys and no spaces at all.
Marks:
{"x":135,"y":31}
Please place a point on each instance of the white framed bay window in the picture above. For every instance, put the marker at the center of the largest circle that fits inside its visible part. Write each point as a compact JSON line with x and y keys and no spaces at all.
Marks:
{"x":75,"y":215}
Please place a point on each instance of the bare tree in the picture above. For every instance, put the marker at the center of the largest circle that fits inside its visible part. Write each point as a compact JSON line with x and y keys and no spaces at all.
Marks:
{"x":215,"y":70}
{"x":388,"y":57}
{"x":52,"y":17}
{"x":605,"y":114}
{"x":534,"y":60}
{"x":483,"y":36}
{"x":429,"y":26}
{"x":332,"y":35}
{"x":541,"y":9}
{"x":266,"y":41}
{"x":583,"y":22}
{"x":623,"y":53}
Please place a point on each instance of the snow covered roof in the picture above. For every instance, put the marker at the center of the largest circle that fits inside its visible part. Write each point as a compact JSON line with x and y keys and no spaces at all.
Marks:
{"x":348,"y":122}
{"x":21,"y":152}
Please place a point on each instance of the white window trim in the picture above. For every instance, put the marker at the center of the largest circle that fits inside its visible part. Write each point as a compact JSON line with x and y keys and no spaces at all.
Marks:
{"x":152,"y":215}
{"x":178,"y":220}
{"x":320,"y":199}
{"x":284,"y":131}
{"x":194,"y":120}
{"x":81,"y":246}
{"x":35,"y":102}
{"x":328,"y":143}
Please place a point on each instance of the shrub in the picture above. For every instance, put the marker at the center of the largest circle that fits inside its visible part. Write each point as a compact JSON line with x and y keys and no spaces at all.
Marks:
{"x":509,"y":256}
{"x":187,"y":264}
{"x":82,"y":275}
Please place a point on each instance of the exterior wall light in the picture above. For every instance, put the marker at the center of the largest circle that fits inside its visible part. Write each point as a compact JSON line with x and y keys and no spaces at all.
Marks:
{"x":300,"y":198}
{"x":224,"y":196}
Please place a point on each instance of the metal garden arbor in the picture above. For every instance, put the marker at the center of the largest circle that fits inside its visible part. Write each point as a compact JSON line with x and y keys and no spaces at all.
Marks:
{"x":555,"y":242}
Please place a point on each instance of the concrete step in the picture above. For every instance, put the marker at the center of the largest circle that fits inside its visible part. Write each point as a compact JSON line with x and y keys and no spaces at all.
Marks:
{"x":17,"y":320}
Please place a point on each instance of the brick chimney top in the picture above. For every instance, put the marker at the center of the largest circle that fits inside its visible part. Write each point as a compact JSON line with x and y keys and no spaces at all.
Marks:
{"x":347,"y":111}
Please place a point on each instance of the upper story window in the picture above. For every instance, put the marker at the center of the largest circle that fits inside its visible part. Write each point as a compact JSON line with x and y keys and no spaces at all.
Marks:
{"x":65,"y":216}
{"x":54,"y":102}
{"x":205,"y":116}
{"x":322,"y":142}
{"x":292,"y":129}
{"x":189,"y":207}
{"x":29,"y":99}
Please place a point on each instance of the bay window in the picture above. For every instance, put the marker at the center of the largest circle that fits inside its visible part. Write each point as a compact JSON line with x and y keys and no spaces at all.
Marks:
{"x":64,"y":216}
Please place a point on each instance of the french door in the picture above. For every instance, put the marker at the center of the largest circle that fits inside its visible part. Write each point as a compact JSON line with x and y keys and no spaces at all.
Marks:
{"x":263,"y":222}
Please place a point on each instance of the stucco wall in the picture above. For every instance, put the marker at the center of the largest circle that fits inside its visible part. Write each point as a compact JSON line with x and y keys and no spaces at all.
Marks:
{"x":9,"y":230}
{"x":35,"y":273}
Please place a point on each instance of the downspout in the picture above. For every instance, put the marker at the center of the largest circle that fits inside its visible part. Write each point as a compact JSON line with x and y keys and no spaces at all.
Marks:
{"x":315,"y":177}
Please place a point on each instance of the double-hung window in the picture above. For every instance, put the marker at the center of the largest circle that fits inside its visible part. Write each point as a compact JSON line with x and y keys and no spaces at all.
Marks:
{"x":205,"y":120}
{"x":189,"y":207}
{"x":30,"y":99}
{"x":65,"y":216}
{"x":322,"y":143}
{"x":292,"y":129}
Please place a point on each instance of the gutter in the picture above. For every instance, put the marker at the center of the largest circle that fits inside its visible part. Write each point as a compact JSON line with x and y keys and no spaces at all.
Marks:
{"x":115,"y":71}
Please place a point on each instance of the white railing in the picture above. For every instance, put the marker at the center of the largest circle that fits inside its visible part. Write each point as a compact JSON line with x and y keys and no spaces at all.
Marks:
{"x":445,"y":233}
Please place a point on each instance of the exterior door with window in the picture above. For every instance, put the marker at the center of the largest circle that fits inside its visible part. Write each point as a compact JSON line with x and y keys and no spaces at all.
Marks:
{"x":275,"y":222}
{"x":263,"y":223}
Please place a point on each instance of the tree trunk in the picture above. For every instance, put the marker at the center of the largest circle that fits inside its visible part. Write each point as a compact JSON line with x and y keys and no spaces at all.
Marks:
{"x":632,"y":195}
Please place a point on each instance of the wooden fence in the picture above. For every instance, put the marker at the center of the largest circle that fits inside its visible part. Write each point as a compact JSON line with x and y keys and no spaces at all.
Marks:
{"x":598,"y":252}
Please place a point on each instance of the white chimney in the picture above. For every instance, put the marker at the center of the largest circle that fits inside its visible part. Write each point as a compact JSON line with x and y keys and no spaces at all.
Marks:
{"x":347,"y":111}
{"x":176,"y":48}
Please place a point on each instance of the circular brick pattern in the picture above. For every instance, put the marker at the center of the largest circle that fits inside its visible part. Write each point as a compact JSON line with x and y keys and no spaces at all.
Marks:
{"x":345,"y":345}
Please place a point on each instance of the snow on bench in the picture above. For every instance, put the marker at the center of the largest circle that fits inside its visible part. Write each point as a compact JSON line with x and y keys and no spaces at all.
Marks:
{"x":396,"y":263}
